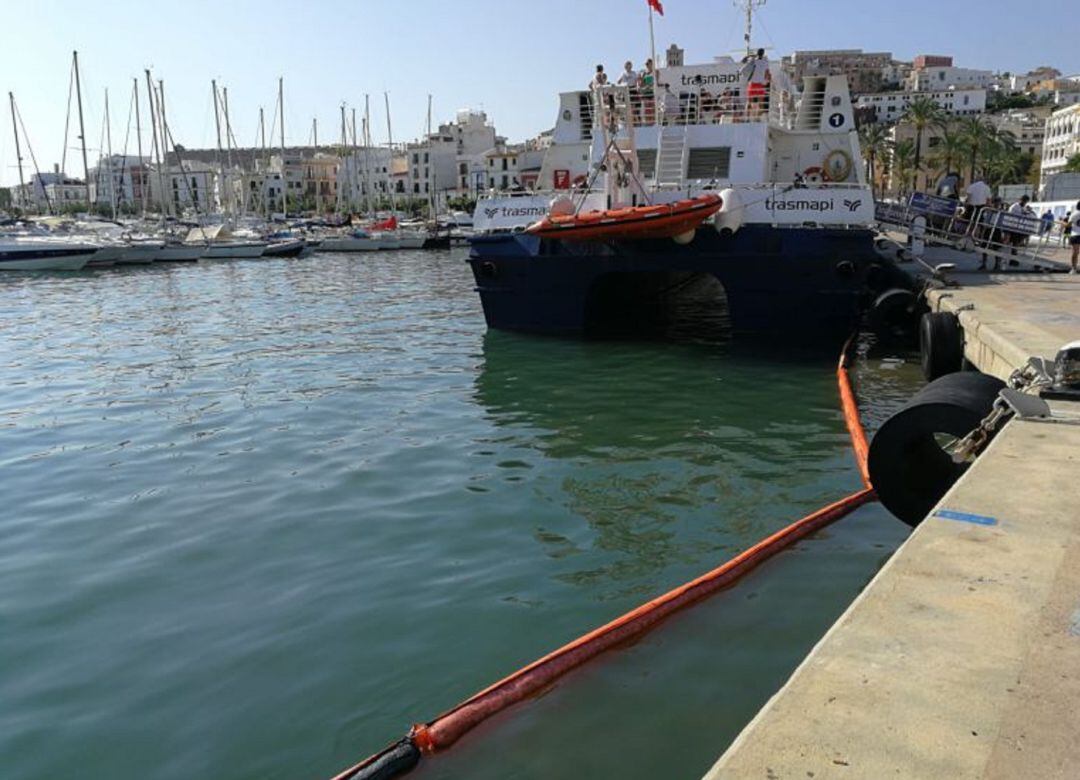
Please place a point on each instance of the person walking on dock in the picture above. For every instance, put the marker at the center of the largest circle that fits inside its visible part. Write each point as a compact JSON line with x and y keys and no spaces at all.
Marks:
{"x":1074,"y":235}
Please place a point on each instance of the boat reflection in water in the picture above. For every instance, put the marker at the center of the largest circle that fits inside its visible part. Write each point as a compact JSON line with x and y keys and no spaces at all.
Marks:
{"x":666,"y":448}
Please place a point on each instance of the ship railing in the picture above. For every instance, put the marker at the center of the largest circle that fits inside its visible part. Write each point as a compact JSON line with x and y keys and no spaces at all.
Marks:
{"x":665,"y":105}
{"x":991,"y":231}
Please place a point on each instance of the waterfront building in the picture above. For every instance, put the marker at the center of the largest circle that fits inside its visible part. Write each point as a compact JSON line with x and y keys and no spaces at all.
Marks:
{"x":1063,"y":92}
{"x":363,"y":171}
{"x":192,"y":184}
{"x":120,"y":179}
{"x":310,"y":178}
{"x":866,"y":71}
{"x":890,"y":106}
{"x":1027,"y":126}
{"x":931,"y":73}
{"x":434,"y":163}
{"x":53,"y":190}
{"x":1062,"y":141}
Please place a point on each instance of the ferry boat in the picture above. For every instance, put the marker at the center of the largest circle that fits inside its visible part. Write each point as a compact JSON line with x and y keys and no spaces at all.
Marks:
{"x":791,"y":246}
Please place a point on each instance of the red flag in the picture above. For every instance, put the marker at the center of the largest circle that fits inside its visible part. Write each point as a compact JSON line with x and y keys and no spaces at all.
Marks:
{"x":656,"y":6}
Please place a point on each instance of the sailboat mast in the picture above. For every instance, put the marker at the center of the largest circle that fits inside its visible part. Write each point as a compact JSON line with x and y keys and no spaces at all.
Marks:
{"x":138,"y":144}
{"x":165,"y":135}
{"x":318,"y":189}
{"x":390,"y":141}
{"x":367,"y":152}
{"x":155,"y":148}
{"x":228,"y":153}
{"x":355,"y":165}
{"x":262,"y":144}
{"x":344,"y":143}
{"x":108,"y":147}
{"x":18,"y":151}
{"x":82,"y":128}
{"x":284,"y":183}
{"x":217,"y":129}
{"x":434,"y":189}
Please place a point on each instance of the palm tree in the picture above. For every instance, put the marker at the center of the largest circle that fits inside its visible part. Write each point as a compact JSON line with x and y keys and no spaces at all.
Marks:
{"x":874,"y":142}
{"x":904,"y":154}
{"x":922,"y":113}
{"x":948,"y":151}
{"x":974,"y":132}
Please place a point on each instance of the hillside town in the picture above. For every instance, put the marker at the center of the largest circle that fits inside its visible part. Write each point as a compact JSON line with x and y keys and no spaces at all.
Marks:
{"x":917,"y":121}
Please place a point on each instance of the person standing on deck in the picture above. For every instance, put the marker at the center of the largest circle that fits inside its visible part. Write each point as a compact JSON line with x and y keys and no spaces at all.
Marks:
{"x":599,"y":79}
{"x":1074,"y":237}
{"x":647,"y":85}
{"x":630,"y":79}
{"x":754,"y":72}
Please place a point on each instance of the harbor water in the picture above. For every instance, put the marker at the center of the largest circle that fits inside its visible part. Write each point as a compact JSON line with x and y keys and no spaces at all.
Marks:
{"x":259,"y":516}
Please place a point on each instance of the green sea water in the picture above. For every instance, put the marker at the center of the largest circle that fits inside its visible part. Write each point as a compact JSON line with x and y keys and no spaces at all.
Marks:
{"x":260,"y":516}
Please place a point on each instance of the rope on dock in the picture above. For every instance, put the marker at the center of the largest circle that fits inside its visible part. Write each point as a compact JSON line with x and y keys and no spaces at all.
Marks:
{"x":443,"y":731}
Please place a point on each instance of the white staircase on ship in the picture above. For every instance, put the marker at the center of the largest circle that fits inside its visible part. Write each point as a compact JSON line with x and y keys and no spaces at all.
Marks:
{"x":671,"y":156}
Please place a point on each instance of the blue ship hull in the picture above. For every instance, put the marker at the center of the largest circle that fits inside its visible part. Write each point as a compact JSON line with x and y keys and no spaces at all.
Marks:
{"x":806,"y":283}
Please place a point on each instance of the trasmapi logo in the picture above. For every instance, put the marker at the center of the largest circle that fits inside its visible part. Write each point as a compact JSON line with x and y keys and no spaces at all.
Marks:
{"x":515,"y":211}
{"x":806,"y":204}
{"x":710,"y":78}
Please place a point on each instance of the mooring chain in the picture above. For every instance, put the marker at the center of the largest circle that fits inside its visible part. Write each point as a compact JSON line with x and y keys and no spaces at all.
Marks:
{"x":1029,"y":377}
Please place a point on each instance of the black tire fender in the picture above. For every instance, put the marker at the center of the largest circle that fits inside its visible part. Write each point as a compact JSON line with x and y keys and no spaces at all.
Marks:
{"x":941,"y":344}
{"x":894,"y":314}
{"x":908,"y":467}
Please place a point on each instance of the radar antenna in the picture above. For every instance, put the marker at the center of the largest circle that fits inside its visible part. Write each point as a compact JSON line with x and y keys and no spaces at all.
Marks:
{"x":749,"y":6}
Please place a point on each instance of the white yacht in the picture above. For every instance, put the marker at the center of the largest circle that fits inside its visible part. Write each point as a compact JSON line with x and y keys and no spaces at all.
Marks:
{"x":28,"y":253}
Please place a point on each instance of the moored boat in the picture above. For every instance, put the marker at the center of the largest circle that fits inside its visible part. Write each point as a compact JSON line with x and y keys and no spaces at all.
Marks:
{"x":43,"y":254}
{"x":285,"y":247}
{"x":785,"y":244}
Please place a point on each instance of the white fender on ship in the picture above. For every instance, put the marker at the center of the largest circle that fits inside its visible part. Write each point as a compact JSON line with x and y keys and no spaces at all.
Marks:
{"x":562,"y":206}
{"x":731,"y":215}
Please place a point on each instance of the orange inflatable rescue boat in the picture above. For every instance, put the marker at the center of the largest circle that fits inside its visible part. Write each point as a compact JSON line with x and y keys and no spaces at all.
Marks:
{"x":635,"y":222}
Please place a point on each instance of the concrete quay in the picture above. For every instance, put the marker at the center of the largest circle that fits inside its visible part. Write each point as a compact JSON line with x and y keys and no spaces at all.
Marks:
{"x":961,"y":659}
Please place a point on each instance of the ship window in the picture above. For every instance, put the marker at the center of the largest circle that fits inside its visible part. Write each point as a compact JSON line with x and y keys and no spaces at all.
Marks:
{"x":707,"y":162}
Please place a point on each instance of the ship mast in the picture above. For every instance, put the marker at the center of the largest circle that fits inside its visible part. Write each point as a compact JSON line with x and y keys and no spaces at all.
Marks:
{"x":749,"y":6}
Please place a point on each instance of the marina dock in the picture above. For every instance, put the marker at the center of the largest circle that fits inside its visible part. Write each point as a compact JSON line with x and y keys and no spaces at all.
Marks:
{"x":960,"y":659}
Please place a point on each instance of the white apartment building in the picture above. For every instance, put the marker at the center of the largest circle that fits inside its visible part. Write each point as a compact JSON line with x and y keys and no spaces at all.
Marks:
{"x":942,"y":77}
{"x":1062,"y":141}
{"x":434,"y":163}
{"x":890,"y":106}
{"x":49,"y":191}
{"x":192,"y":184}
{"x":363,"y":170}
{"x":119,"y":179}
{"x":1027,"y":127}
{"x":502,"y":168}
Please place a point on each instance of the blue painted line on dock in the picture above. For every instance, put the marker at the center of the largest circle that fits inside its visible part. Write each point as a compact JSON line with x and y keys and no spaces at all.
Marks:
{"x":965,"y":517}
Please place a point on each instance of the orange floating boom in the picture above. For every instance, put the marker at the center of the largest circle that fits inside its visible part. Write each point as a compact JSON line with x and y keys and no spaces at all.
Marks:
{"x":442,"y":732}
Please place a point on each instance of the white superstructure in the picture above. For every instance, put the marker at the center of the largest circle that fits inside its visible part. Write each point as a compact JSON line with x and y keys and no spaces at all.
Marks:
{"x":781,"y":154}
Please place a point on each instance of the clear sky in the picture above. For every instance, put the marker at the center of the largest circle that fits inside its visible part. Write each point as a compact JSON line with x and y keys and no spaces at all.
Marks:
{"x":510,"y":58}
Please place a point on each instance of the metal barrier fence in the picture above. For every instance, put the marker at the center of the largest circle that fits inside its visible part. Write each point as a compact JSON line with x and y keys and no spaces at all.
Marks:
{"x":991,"y":231}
